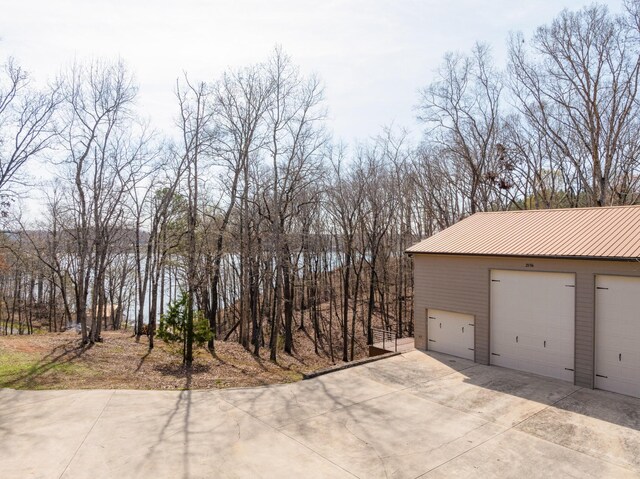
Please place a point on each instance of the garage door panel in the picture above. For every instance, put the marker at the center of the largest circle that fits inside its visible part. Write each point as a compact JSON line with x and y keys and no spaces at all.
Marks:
{"x":527,"y":328}
{"x":628,"y":347}
{"x":451,"y":333}
{"x":620,"y":380}
{"x":554,"y":344}
{"x":538,"y":309}
{"x":630,"y":388}
{"x":540,"y":367}
{"x":506,"y":361}
{"x":563,"y":333}
{"x":609,"y":342}
{"x":530,"y":342}
{"x":629,"y":372}
{"x":554,"y":351}
{"x":501,"y":350}
{"x":617,"y":337}
{"x":606,"y":370}
{"x":619,"y":327}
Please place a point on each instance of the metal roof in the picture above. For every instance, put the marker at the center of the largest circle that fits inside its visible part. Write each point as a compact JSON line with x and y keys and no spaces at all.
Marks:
{"x":606,"y":232}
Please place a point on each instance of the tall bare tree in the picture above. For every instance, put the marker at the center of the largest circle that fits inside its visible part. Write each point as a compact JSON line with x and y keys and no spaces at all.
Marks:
{"x":27,"y":128}
{"x":197,"y":130}
{"x":96,"y":110}
{"x":577,"y":82}
{"x":462,"y":112}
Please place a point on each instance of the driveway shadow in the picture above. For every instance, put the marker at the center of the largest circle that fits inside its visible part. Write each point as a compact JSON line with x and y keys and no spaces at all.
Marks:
{"x":181,"y":412}
{"x":598,"y":423}
{"x":494,"y":384}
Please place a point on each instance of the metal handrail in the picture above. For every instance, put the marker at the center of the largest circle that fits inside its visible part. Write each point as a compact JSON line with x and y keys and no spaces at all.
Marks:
{"x":384,"y":336}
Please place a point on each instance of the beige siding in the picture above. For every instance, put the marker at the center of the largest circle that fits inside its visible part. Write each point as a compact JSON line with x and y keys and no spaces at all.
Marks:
{"x":461,"y":284}
{"x":420,"y":331}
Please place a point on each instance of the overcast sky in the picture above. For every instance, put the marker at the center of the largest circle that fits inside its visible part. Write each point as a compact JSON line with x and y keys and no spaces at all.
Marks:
{"x":372,"y":55}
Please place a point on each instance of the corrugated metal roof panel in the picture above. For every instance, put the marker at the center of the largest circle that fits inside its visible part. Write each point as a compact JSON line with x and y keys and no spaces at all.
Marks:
{"x":607,"y":232}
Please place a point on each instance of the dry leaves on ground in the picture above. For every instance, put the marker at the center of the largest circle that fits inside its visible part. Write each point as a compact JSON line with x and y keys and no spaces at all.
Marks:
{"x":59,"y":361}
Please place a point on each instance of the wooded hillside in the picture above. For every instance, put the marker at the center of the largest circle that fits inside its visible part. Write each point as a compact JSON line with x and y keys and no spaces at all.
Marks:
{"x":266,"y":223}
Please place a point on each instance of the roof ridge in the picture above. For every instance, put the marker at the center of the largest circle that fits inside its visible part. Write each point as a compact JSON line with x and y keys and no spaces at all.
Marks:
{"x":547,"y":210}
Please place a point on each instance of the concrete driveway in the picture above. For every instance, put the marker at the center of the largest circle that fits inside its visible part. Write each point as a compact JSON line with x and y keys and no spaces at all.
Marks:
{"x":414,"y":415}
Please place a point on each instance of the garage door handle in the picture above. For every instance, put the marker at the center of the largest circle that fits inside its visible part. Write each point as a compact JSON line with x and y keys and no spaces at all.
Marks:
{"x":516,"y":339}
{"x":600,"y":287}
{"x":432,"y":340}
{"x":495,"y":354}
{"x":620,"y":357}
{"x":463,"y":329}
{"x":471,"y":324}
{"x":432,"y":317}
{"x":440,"y":325}
{"x":568,"y":369}
{"x":471,"y":349}
{"x":601,"y":376}
{"x":545,"y":344}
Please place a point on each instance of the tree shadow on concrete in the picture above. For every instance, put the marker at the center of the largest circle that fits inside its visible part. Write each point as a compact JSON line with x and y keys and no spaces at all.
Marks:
{"x":562,"y":395}
{"x":182,"y":406}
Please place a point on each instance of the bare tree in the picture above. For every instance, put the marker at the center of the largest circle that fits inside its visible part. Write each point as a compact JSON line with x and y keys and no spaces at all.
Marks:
{"x":97,"y":98}
{"x":196,"y":129}
{"x":462,"y":112}
{"x":26,"y":121}
{"x":577,"y":83}
{"x":240,"y":102}
{"x":345,"y":193}
{"x":295,"y":147}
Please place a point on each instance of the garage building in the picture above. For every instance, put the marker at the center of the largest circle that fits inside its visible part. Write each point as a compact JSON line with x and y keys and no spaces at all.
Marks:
{"x":552,"y":292}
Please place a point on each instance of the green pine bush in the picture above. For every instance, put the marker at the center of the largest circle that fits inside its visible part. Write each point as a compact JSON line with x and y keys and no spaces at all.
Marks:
{"x":173,"y":324}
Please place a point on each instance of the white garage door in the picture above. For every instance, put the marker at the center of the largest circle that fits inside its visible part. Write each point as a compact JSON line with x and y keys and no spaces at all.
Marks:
{"x":532,"y":322}
{"x":450,"y":333}
{"x":618,"y":334}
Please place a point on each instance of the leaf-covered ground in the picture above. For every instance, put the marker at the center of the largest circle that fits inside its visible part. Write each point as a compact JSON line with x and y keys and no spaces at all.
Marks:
{"x":58,"y":361}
